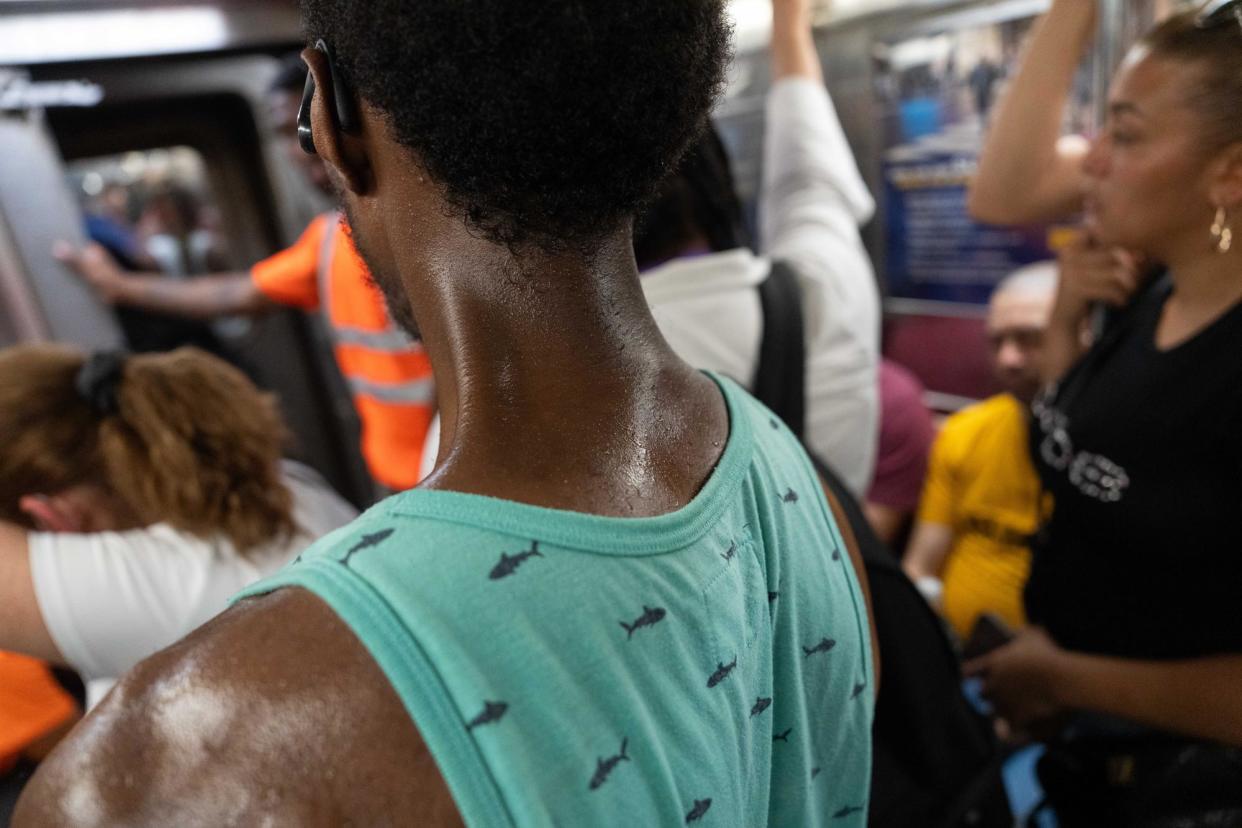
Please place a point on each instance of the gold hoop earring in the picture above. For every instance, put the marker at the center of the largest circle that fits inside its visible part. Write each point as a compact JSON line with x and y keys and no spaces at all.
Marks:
{"x":1222,"y":234}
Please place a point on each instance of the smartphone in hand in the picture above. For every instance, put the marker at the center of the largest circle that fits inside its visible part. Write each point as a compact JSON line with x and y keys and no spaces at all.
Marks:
{"x":989,"y":633}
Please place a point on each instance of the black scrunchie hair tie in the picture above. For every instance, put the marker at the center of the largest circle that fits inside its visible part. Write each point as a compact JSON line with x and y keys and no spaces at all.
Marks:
{"x":98,"y":383}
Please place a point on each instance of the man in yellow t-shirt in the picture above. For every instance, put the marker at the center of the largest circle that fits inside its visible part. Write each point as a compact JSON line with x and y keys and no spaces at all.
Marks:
{"x":969,"y":550}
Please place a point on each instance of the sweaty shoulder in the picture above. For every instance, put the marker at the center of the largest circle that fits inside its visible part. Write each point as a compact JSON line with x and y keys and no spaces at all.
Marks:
{"x":271,"y":714}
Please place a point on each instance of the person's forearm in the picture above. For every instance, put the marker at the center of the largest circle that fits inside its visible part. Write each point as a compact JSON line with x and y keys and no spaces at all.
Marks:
{"x":1200,"y":697}
{"x":811,"y":203}
{"x":793,"y":44}
{"x":918,"y":566}
{"x":203,"y":297}
{"x":1021,"y":175}
{"x":22,"y":628}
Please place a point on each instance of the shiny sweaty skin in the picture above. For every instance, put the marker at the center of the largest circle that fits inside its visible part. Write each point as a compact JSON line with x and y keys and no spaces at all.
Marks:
{"x":555,"y":388}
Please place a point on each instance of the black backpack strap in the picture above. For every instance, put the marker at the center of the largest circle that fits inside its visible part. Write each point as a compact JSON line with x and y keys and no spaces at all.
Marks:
{"x":936,"y":761}
{"x":780,"y":377}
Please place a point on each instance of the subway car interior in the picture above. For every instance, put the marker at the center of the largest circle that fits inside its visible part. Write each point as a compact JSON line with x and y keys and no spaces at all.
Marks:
{"x":771,"y":341}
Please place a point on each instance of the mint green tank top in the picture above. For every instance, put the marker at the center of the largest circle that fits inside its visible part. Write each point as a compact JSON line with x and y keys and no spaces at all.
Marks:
{"x":707,"y":667}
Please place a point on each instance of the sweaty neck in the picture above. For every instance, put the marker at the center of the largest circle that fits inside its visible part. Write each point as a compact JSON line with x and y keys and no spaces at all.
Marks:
{"x":556,"y":388}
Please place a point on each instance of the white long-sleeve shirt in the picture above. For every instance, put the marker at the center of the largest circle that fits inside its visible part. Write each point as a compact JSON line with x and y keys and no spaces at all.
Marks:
{"x":110,"y":599}
{"x":812,"y":202}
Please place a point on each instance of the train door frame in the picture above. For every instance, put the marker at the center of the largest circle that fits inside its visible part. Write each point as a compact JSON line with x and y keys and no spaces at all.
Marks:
{"x":21,"y":319}
{"x":37,"y":209}
{"x":309,"y":384}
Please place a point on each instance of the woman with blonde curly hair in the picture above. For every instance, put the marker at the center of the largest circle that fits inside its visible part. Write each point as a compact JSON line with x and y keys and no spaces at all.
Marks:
{"x":137,"y":493}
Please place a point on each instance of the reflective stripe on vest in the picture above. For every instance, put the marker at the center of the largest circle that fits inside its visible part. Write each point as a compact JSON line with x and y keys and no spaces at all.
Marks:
{"x":390,"y":340}
{"x":418,"y":392}
{"x":327,"y":246}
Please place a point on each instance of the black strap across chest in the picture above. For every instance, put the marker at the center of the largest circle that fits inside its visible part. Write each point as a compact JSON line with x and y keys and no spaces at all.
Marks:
{"x":780,"y":377}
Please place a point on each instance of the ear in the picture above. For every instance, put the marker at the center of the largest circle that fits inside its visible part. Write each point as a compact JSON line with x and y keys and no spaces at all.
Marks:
{"x":51,"y":514}
{"x":1225,"y":186}
{"x":346,"y":155}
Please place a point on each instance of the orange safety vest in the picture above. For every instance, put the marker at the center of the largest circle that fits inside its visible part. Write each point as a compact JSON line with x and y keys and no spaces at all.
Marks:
{"x":32,"y":705}
{"x":389,"y":374}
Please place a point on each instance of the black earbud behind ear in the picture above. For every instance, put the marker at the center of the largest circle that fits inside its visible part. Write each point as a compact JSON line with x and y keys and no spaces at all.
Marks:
{"x":343,"y":108}
{"x":306,"y":138}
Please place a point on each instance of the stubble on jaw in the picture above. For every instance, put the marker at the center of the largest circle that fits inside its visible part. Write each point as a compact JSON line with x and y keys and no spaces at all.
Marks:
{"x":389,"y":285}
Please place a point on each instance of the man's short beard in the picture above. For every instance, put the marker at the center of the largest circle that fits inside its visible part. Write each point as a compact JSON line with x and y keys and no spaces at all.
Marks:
{"x":389,"y":284}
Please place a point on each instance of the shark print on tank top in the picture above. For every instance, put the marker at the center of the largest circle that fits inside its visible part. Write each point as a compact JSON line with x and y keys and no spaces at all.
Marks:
{"x":706,"y":667}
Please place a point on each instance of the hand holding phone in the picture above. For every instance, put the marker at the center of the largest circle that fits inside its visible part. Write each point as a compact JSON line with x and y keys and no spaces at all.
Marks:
{"x":989,"y":633}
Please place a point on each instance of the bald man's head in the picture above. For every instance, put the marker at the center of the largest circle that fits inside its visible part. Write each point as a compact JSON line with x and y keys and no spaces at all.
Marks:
{"x":1018,"y":316}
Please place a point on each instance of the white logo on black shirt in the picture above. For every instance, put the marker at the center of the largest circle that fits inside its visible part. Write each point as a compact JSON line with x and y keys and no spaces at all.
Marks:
{"x":1092,"y":474}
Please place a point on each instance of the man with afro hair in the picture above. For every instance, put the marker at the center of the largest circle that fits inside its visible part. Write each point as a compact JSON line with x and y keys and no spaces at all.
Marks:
{"x":622,"y":597}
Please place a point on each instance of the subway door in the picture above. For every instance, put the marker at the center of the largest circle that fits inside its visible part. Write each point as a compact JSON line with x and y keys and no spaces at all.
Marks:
{"x":39,"y":298}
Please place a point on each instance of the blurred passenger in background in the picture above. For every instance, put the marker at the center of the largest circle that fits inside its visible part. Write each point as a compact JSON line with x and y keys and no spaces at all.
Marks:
{"x":171,"y":226}
{"x":982,"y":80}
{"x":388,"y":373}
{"x":109,"y":224}
{"x":701,"y":277}
{"x":907,"y":430}
{"x":136,"y":495}
{"x":969,"y":551}
{"x":1135,"y":577}
{"x":110,"y":227}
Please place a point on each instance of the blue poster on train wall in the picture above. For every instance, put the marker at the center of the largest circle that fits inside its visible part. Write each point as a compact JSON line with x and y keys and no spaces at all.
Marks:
{"x":936,"y":91}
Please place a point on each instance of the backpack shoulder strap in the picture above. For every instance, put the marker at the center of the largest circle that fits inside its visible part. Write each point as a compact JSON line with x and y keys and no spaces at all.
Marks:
{"x":780,"y":376}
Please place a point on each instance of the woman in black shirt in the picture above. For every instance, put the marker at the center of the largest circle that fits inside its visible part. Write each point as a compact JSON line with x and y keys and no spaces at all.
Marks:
{"x":1136,"y":582}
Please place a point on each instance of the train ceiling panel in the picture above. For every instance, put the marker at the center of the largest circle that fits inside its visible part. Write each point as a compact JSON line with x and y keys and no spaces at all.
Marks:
{"x":34,"y":32}
{"x":37,"y":32}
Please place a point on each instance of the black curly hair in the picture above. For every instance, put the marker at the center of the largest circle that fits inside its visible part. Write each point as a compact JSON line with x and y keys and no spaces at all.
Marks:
{"x":545,"y":123}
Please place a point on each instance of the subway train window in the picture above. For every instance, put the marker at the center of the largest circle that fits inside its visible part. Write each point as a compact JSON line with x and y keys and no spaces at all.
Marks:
{"x":156,"y":206}
{"x":209,"y":144}
{"x":155,"y":212}
{"x":13,"y":291}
